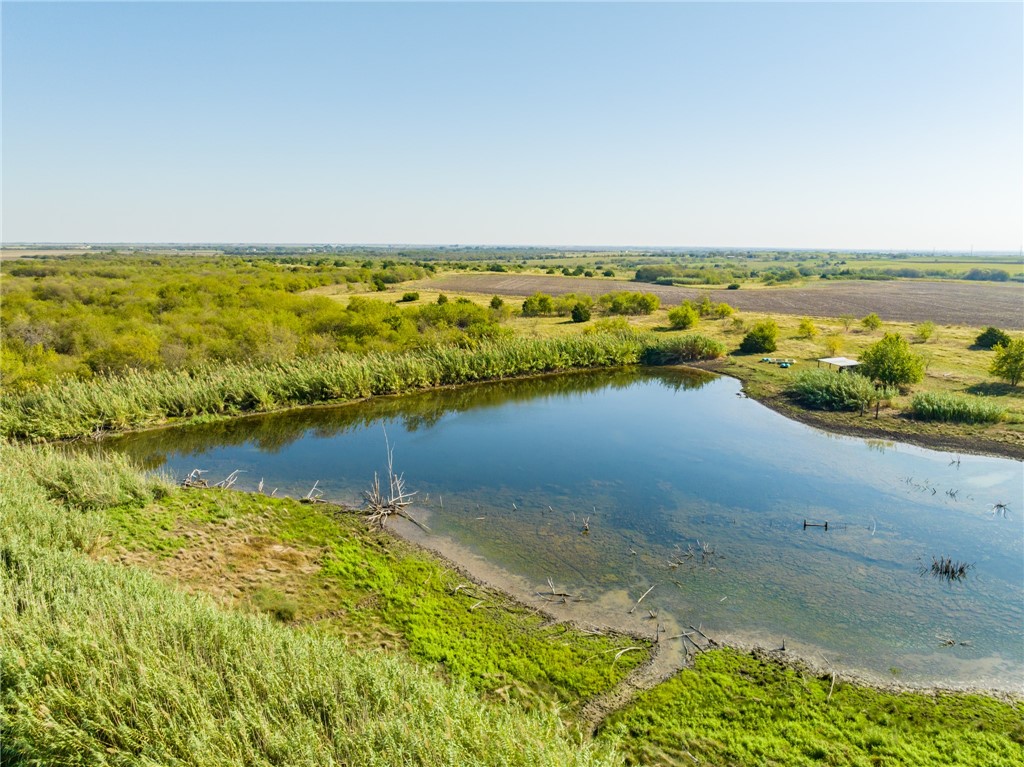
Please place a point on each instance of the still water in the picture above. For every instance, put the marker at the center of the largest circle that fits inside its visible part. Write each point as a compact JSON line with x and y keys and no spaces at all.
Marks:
{"x":686,"y":486}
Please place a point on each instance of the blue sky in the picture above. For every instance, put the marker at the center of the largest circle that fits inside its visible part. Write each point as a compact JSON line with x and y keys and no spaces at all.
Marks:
{"x":783,"y":125}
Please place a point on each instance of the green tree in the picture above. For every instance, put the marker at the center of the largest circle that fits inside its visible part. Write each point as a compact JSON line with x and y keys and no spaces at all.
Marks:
{"x":991,"y":337}
{"x":872,"y":321}
{"x":580,"y":312}
{"x":538,"y":304}
{"x":807,"y":328}
{"x":925,"y":331}
{"x":683,"y":316}
{"x":497,"y":302}
{"x":891,"y":362}
{"x":763,"y":337}
{"x":1009,"y":361}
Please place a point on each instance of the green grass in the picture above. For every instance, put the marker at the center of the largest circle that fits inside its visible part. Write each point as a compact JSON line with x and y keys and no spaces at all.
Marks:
{"x":374,"y":589}
{"x":78,"y":408}
{"x":103,"y":664}
{"x":820,"y":389}
{"x":735,"y":709}
{"x":955,"y":408}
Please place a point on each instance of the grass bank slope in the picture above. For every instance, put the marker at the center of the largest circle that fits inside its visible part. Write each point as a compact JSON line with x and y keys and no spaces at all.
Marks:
{"x":105,"y":665}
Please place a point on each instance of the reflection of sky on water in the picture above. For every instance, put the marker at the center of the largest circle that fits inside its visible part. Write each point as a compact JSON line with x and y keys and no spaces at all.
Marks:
{"x":658,"y":460}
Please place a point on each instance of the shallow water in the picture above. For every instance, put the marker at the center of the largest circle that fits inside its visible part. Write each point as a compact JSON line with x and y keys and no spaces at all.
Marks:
{"x":688,"y":487}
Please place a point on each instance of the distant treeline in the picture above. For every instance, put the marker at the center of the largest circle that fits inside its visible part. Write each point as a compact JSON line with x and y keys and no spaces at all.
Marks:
{"x":672,"y":274}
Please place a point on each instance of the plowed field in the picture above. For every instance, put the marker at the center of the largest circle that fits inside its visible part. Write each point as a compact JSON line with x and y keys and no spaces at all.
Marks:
{"x":974,"y":304}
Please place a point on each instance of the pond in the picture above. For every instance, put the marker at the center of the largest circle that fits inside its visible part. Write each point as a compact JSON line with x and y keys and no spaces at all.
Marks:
{"x":688,"y":487}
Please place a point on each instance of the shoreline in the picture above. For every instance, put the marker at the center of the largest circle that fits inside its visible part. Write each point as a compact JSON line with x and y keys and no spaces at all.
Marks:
{"x":664,"y":662}
{"x":965,"y":444}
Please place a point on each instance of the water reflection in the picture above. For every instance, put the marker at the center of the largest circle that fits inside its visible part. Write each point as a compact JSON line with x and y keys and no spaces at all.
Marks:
{"x":662,"y":464}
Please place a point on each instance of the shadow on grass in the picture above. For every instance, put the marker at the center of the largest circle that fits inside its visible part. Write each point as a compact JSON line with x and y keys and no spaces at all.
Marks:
{"x":995,"y":389}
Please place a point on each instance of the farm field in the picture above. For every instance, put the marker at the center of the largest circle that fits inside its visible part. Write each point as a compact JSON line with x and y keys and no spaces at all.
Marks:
{"x":942,"y":302}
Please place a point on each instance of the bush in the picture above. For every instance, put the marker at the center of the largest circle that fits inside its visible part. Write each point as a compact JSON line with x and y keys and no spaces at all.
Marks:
{"x":628,"y":302}
{"x":671,"y":351}
{"x":924,"y":331}
{"x":497,"y":302}
{"x":819,"y":389}
{"x":807,"y":328}
{"x":442,"y":299}
{"x":733,"y":286}
{"x":723,"y":310}
{"x":833,"y":344}
{"x":763,"y":337}
{"x":538,"y":304}
{"x":872,"y":321}
{"x":891,"y":362}
{"x":683,"y":316}
{"x":955,"y":408}
{"x":1009,"y":361}
{"x":407,"y":297}
{"x":580,"y":312}
{"x":991,"y":337}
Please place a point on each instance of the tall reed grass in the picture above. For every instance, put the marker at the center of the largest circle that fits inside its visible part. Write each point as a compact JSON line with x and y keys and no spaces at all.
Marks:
{"x":955,"y":408}
{"x":827,"y":390}
{"x":79,"y":408}
{"x":103,"y":664}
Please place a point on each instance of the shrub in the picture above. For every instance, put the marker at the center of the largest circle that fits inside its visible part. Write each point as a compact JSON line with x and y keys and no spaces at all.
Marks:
{"x":497,"y":302}
{"x":991,"y":337}
{"x":442,"y":299}
{"x":628,"y":302}
{"x":723,"y":310}
{"x":891,"y":362}
{"x":412,"y":296}
{"x":955,"y":408}
{"x":833,"y":344}
{"x":819,"y":389}
{"x":691,"y":348}
{"x":733,"y":286}
{"x":683,"y":316}
{"x":580,"y":312}
{"x":872,"y":321}
{"x":538,"y":304}
{"x":763,"y":337}
{"x":924,"y":331}
{"x":1009,"y":361}
{"x":807,"y":328}
{"x":608,"y":273}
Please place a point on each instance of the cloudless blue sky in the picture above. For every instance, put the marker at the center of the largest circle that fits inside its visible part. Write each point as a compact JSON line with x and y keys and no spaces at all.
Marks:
{"x":788,"y":125}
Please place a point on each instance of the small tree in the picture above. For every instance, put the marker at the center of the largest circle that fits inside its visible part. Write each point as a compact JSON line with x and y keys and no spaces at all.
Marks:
{"x":872,"y":321}
{"x":442,"y":299}
{"x":1009,"y":361}
{"x":580,"y":312}
{"x":683,"y":316}
{"x":538,"y":304}
{"x":763,"y":337}
{"x":807,"y":328}
{"x":925,"y":331}
{"x":497,"y":302}
{"x":891,"y":362}
{"x":847,"y":320}
{"x":991,"y":337}
{"x":723,"y":310}
{"x":833,"y":344}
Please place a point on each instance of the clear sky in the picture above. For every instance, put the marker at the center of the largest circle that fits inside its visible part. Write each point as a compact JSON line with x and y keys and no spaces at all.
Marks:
{"x":862,"y":125}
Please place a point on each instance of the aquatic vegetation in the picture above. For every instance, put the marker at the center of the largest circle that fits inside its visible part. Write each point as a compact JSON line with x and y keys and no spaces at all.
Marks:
{"x":955,"y":408}
{"x":820,"y":389}
{"x":144,"y":398}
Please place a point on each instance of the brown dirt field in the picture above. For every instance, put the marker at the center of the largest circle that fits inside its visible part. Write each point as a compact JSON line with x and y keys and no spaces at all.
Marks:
{"x":974,"y":304}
